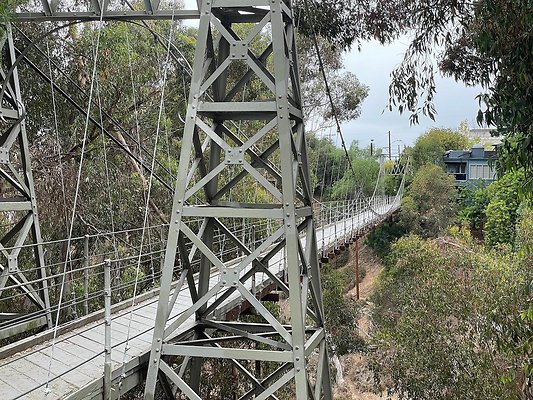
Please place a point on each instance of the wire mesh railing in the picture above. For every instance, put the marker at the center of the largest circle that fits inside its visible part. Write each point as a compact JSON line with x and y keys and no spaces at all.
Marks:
{"x":135,"y":264}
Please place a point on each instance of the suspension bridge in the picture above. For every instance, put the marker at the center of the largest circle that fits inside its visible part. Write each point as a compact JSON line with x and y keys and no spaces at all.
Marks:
{"x":105,"y":324}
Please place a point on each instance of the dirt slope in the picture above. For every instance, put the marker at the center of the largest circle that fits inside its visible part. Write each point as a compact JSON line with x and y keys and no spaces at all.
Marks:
{"x":358,"y":381}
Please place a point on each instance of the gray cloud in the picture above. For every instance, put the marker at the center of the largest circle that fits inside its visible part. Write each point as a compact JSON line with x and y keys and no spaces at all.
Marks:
{"x":454,"y":101}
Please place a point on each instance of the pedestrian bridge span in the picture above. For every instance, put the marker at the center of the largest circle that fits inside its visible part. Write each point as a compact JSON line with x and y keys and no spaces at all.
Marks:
{"x":71,"y":364}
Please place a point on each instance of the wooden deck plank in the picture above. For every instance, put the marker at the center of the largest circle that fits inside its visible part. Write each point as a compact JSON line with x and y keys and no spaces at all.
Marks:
{"x":8,"y":391}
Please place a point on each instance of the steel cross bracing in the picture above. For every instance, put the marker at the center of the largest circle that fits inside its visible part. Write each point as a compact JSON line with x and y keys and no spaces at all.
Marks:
{"x":78,"y":359}
{"x":18,"y":207}
{"x":269,"y":181}
{"x":273,"y":162}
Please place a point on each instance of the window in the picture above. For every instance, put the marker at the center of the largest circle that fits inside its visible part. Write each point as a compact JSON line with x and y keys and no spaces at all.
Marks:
{"x":482,"y":171}
{"x":475,"y":171}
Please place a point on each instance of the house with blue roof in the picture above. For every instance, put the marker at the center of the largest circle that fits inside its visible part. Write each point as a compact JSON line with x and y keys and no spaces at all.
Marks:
{"x":469,"y":166}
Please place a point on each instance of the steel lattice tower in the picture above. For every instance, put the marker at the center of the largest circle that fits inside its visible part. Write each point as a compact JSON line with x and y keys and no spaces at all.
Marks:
{"x":18,"y":205}
{"x":245,"y":48}
{"x":273,"y":160}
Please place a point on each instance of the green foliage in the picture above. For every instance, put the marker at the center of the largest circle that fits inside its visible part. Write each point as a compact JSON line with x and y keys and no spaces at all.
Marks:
{"x":346,"y":90}
{"x":472,"y":203}
{"x":7,"y":6}
{"x":429,"y":206}
{"x":516,"y":153}
{"x":516,"y":333}
{"x":524,"y":232}
{"x":507,"y":41}
{"x":499,"y":228}
{"x":502,"y":210}
{"x":440,"y":307}
{"x":381,"y":238}
{"x":341,"y":312}
{"x":494,"y":208}
{"x":431,"y":146}
{"x":348,"y":186}
{"x":333,"y":179}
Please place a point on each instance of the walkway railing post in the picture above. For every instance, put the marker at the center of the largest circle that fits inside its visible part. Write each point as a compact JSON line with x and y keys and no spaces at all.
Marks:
{"x":252,"y":248}
{"x":86,"y":274}
{"x":344,"y":217}
{"x":107,"y":318}
{"x":357,"y":268}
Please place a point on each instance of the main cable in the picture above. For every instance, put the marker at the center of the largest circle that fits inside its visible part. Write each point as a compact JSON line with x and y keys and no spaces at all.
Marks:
{"x":328,"y":91}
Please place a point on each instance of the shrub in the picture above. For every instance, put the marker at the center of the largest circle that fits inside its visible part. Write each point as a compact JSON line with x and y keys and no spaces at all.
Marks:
{"x":442,"y":308}
{"x":429,"y":207}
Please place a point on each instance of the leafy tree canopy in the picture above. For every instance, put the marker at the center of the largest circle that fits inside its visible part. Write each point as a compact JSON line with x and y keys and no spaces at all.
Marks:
{"x":482,"y":42}
{"x":429,"y":206}
{"x":454,"y":322}
{"x":431,"y":146}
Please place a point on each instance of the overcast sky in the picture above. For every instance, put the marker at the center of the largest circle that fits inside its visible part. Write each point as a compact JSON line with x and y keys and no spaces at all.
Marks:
{"x":372,"y":66}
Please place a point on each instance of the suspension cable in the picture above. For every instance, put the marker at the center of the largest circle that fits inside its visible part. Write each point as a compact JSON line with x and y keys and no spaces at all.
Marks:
{"x":56,"y":129}
{"x":74,"y":206}
{"x":328,"y":91}
{"x":148,"y":196}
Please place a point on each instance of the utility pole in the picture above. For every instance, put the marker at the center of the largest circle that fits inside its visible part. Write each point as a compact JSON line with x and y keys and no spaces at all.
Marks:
{"x":357,"y":267}
{"x":390,"y":148}
{"x":371,"y":147}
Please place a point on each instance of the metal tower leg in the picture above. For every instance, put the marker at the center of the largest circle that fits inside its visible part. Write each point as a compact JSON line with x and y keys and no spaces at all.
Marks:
{"x":18,"y":206}
{"x":259,"y":142}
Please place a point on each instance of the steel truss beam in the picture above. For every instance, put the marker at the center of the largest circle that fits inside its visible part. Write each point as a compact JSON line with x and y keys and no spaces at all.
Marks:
{"x":18,"y":206}
{"x":271,"y":161}
{"x":100,"y":9}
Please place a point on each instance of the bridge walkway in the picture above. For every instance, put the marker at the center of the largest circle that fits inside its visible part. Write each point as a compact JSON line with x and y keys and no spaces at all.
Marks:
{"x":77,"y":363}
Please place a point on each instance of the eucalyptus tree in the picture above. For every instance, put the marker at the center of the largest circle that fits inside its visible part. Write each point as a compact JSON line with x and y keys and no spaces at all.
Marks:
{"x":482,"y":42}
